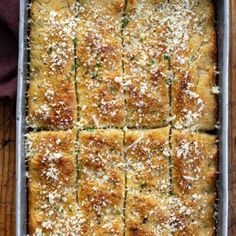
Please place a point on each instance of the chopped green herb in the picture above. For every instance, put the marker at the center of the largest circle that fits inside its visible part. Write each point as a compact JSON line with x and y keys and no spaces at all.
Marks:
{"x":152,"y":62}
{"x":112,"y":89}
{"x":72,"y":67}
{"x":77,"y":152}
{"x":143,"y":185}
{"x":90,"y":129}
{"x":125,"y":22}
{"x":117,"y":212}
{"x":132,"y":58}
{"x":49,"y":51}
{"x":99,"y":65}
{"x":171,"y":31}
{"x":112,"y":149}
{"x":75,"y":40}
{"x":78,"y":168}
{"x":166,"y":57}
{"x":94,"y":74}
{"x":141,"y":40}
{"x":168,"y":81}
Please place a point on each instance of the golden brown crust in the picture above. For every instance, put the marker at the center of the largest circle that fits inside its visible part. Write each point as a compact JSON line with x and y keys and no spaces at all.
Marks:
{"x":52,"y":179}
{"x":147,"y":155}
{"x":102,"y":181}
{"x":194,"y":157}
{"x":147,"y":216}
{"x":145,"y":66}
{"x":193,"y":62}
{"x":99,"y":61}
{"x":52,"y":97}
{"x":194,"y":173}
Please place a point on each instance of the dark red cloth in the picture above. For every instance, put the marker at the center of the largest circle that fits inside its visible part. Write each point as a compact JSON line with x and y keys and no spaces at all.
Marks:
{"x":9,"y":18}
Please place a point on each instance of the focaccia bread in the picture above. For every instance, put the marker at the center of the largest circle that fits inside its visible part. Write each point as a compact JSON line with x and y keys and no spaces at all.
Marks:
{"x":102,"y":181}
{"x":146,"y":67}
{"x":52,"y":183}
{"x":121,"y":100}
{"x":193,"y":62}
{"x":51,"y":95}
{"x":147,"y":157}
{"x":194,"y":158}
{"x":99,"y":64}
{"x":148,"y":182}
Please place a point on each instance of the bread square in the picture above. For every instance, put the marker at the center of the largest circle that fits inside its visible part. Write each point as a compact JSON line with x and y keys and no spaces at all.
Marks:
{"x":99,"y":64}
{"x":52,"y":95}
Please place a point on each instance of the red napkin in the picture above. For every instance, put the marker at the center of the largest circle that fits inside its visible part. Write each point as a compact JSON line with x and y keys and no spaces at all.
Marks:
{"x":9,"y":18}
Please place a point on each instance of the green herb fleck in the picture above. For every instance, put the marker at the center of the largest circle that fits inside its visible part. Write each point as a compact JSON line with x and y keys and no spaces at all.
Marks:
{"x":171,"y":31}
{"x":166,"y":57}
{"x":90,"y":129}
{"x":77,"y":152}
{"x":75,"y":40}
{"x":72,"y":67}
{"x":78,"y":168}
{"x":112,"y":89}
{"x":125,"y":22}
{"x":99,"y":65}
{"x":132,"y":58}
{"x":143,"y":185}
{"x":94,"y":74}
{"x":78,"y":62}
{"x":49,"y":51}
{"x":152,"y":62}
{"x":168,"y":81}
{"x":112,"y":149}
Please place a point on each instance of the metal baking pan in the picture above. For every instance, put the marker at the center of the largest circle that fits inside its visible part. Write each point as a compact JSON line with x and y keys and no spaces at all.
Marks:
{"x":222,"y":25}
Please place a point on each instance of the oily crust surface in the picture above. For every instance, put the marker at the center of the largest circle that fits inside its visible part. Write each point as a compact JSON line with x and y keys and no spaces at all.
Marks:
{"x":147,"y":210}
{"x":51,"y":95}
{"x":52,"y":179}
{"x":102,"y":181}
{"x":193,"y":62}
{"x":99,"y":64}
{"x":145,"y":65}
{"x":194,"y":173}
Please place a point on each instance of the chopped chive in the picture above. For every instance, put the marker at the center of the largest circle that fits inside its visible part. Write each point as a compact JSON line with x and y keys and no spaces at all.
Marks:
{"x":125,"y":22}
{"x":49,"y":51}
{"x":77,"y":152}
{"x":166,"y":57}
{"x":112,"y":149}
{"x":78,"y":62}
{"x":99,"y":65}
{"x":72,"y":67}
{"x":152,"y":62}
{"x":143,"y":185}
{"x":141,"y":40}
{"x":75,"y":40}
{"x":132,"y":58}
{"x":94,"y":74}
{"x":112,"y":89}
{"x":90,"y":129}
{"x":171,"y":31}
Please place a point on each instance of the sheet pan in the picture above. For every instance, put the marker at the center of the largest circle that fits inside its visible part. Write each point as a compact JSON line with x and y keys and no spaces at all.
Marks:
{"x":222,"y":25}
